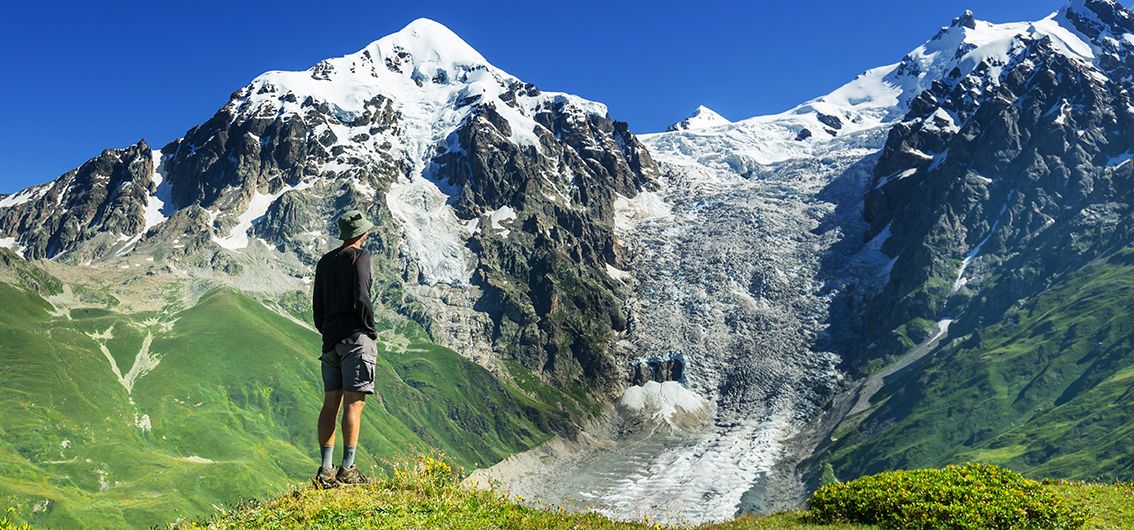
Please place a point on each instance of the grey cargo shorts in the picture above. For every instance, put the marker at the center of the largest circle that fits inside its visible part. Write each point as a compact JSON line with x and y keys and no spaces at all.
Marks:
{"x":350,"y":366}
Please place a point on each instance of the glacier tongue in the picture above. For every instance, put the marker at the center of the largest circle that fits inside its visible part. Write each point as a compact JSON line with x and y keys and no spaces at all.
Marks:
{"x":731,"y":282}
{"x":761,"y":231}
{"x":727,"y":276}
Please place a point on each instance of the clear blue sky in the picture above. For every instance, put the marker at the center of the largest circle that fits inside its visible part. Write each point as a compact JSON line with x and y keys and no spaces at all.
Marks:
{"x":80,"y":77}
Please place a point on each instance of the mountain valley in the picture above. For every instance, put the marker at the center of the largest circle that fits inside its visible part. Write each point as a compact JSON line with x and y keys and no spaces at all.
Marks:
{"x":928,"y":265}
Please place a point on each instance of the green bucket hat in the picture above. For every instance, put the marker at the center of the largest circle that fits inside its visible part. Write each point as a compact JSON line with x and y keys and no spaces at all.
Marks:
{"x":352,"y":224}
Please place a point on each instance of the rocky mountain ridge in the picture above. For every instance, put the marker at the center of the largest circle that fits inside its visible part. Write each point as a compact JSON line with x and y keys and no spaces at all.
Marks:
{"x":1021,"y":153}
{"x":1028,"y":160}
{"x":494,"y":200}
{"x":772,"y":282}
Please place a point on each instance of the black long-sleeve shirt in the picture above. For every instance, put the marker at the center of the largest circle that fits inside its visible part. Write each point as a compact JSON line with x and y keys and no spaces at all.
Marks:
{"x":341,"y":301}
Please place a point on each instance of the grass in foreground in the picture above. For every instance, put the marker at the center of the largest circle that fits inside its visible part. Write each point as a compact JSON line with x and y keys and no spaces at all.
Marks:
{"x":429,"y":494}
{"x":1109,"y":506}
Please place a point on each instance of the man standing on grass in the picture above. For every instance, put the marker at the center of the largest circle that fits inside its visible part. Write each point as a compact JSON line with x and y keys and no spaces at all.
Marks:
{"x":344,"y":315}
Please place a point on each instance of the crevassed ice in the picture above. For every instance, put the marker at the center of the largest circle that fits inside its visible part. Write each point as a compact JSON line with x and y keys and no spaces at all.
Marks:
{"x":431,"y":231}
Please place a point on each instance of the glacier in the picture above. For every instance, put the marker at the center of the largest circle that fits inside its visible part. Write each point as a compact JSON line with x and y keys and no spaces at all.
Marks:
{"x":737,"y":261}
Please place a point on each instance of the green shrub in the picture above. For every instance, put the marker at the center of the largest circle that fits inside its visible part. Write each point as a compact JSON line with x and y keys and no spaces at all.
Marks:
{"x":972,"y":496}
{"x":8,"y":521}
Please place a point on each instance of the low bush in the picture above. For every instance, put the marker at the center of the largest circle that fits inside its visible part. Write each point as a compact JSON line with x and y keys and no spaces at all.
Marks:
{"x":972,"y":496}
{"x":8,"y":521}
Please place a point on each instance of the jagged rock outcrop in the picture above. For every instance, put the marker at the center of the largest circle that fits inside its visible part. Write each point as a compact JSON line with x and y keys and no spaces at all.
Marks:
{"x":660,"y":370}
{"x":544,"y":275}
{"x":93,"y":204}
{"x":1028,"y":158}
{"x":494,"y":200}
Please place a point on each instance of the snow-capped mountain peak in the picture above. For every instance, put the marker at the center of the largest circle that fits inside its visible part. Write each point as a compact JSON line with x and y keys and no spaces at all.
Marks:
{"x":1097,"y":33}
{"x":429,"y":42}
{"x":424,"y":61}
{"x":391,"y":110}
{"x":966,"y":20}
{"x":1083,"y":30}
{"x":701,"y":118}
{"x":430,"y":76}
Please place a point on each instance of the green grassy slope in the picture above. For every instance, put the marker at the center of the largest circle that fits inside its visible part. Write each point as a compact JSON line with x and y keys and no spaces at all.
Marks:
{"x":1047,"y":391}
{"x":227,"y":413}
{"x":426,"y":496}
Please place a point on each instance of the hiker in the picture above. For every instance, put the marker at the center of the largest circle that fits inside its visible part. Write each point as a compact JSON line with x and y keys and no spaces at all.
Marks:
{"x":344,"y":315}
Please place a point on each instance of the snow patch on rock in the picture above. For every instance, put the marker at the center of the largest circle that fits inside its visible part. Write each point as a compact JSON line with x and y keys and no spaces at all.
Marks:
{"x":159,"y":203}
{"x":643,"y":206}
{"x":972,"y":254}
{"x":237,"y":238}
{"x":1119,"y":160}
{"x":499,"y":216}
{"x":11,"y":244}
{"x":618,"y":274}
{"x":26,"y":195}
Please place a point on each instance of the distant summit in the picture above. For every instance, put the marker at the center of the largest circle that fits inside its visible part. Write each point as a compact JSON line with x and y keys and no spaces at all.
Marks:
{"x":701,"y":118}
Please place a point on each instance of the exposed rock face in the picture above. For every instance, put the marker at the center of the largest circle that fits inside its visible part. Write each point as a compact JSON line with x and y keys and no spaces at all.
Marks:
{"x":1029,"y":162}
{"x":830,"y":121}
{"x":543,"y":276}
{"x":494,"y":201}
{"x":95,"y":203}
{"x":659,"y":370}
{"x":1103,"y":24}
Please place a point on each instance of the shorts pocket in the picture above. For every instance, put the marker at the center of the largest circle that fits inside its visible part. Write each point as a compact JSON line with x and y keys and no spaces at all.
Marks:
{"x":368,"y":368}
{"x":369,"y":349}
{"x":365,"y":379}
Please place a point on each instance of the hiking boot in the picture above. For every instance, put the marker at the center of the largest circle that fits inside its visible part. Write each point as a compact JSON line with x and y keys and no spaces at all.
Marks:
{"x":325,"y":478}
{"x":350,"y":476}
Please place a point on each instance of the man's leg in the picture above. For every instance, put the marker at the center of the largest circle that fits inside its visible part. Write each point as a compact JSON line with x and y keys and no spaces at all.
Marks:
{"x":352,"y":420}
{"x":332,"y":401}
{"x":358,"y":380}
